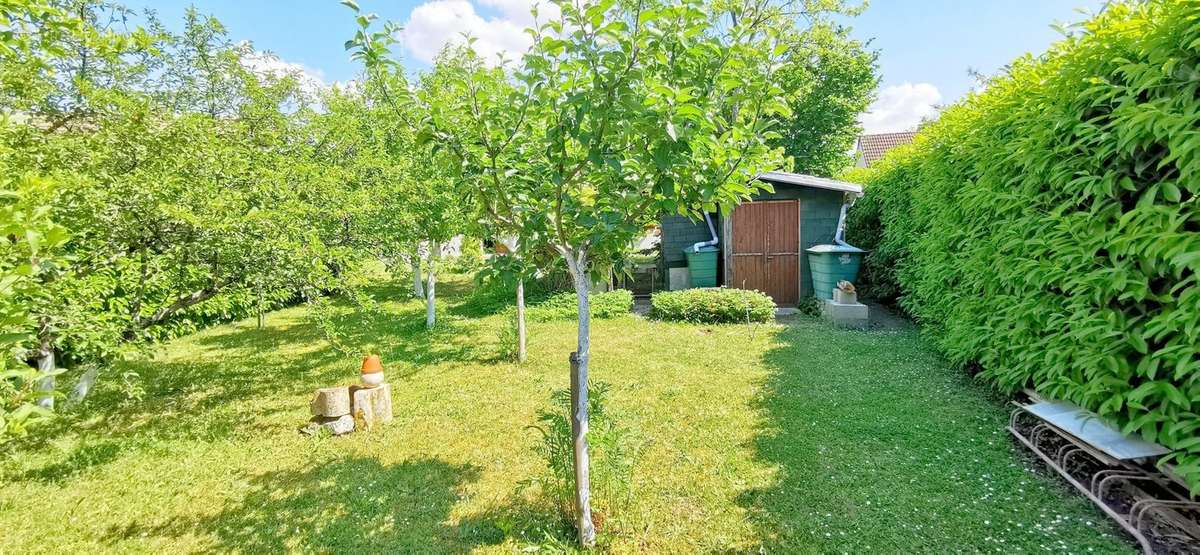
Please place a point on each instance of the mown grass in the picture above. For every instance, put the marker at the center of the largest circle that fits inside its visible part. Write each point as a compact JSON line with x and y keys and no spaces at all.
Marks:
{"x":772,"y":438}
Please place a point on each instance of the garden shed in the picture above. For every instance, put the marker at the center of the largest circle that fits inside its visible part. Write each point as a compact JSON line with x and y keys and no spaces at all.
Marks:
{"x":761,"y":243}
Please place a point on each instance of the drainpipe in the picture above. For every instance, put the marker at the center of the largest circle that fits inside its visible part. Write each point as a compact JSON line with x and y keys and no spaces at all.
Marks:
{"x":840,"y":235}
{"x":712,"y":230}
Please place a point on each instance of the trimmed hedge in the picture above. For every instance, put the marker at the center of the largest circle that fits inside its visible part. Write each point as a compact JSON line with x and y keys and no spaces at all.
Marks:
{"x":712,"y":306}
{"x":1048,"y":228}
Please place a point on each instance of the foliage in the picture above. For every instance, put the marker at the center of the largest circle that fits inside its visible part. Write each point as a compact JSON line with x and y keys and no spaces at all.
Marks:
{"x":887,"y":205}
{"x":562,"y":306}
{"x":712,"y":306}
{"x":196,"y":187}
{"x":809,"y":306}
{"x":831,"y":79}
{"x":1048,"y":229}
{"x":613,"y":454}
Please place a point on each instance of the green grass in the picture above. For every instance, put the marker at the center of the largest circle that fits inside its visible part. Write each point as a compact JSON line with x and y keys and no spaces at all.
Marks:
{"x":785,"y":439}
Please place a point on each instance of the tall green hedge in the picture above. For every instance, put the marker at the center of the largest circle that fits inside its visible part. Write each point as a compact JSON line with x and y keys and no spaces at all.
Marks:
{"x":1047,"y":229}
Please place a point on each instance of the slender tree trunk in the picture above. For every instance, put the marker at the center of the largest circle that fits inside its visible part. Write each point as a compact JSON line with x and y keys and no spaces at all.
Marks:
{"x":418,"y":289}
{"x":579,"y":400}
{"x":430,"y":282}
{"x":520,"y":320}
{"x":84,"y":386}
{"x":46,"y":366}
{"x":261,"y":314}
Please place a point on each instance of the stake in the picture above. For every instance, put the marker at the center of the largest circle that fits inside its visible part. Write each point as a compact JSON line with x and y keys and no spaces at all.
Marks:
{"x":583,"y":508}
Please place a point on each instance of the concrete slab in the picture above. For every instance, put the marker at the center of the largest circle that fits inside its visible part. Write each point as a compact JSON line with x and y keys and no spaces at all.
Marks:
{"x":845,"y":315}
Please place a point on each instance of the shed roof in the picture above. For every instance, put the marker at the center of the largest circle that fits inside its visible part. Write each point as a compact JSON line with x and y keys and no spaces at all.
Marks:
{"x":811,"y":181}
{"x":873,"y":147}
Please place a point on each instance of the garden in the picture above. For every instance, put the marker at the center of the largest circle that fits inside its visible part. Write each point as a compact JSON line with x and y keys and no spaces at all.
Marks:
{"x":779,"y":446}
{"x":194,"y":241}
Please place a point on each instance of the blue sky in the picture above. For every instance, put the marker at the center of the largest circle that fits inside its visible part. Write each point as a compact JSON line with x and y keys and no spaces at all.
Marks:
{"x":925,"y":46}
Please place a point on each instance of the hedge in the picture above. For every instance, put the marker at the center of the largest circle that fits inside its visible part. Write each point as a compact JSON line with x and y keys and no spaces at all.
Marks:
{"x":712,"y":306}
{"x":563,"y":306}
{"x":1047,"y":229}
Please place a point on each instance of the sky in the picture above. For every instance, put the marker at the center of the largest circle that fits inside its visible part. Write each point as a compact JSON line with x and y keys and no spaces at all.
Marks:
{"x":926,"y":47}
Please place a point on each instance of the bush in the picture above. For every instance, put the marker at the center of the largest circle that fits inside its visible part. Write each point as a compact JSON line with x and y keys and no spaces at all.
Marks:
{"x":1048,"y":229}
{"x":712,"y":306}
{"x":562,"y":306}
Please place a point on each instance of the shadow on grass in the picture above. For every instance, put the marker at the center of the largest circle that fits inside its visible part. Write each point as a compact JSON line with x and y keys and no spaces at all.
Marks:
{"x":352,"y":505}
{"x":878,"y":444}
{"x":240,"y":378}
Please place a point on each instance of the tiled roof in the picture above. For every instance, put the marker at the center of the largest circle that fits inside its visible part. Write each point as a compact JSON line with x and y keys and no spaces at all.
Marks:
{"x":873,"y":147}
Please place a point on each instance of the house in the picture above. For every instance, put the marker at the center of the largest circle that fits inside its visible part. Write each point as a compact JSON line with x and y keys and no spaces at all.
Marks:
{"x":870,"y":148}
{"x":761,"y":243}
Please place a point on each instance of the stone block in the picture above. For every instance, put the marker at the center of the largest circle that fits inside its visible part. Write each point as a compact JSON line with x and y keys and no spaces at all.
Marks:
{"x":372,"y":405}
{"x":331,"y":402}
{"x":336,"y":425}
{"x":845,"y":315}
{"x":844,"y":297}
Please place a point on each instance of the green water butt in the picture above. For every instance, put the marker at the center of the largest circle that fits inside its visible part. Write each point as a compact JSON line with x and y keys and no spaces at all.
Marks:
{"x":830,"y":264}
{"x":702,"y":266}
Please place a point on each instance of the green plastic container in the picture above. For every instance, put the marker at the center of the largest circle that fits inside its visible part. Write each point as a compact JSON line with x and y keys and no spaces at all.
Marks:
{"x":702,"y":266}
{"x":830,"y":264}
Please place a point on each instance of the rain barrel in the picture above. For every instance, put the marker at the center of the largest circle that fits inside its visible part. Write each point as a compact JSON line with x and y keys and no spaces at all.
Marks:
{"x":830,"y":264}
{"x":702,"y":266}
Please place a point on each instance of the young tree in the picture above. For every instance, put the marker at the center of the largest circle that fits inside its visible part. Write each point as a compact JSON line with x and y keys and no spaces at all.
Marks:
{"x":429,"y":195}
{"x":626,"y":111}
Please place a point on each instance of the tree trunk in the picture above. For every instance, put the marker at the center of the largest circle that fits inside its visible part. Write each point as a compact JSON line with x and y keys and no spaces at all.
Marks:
{"x":46,"y":366}
{"x":418,"y":289}
{"x":520,"y":320}
{"x":261,"y":314}
{"x":430,"y":282}
{"x":84,"y":385}
{"x":579,"y":401}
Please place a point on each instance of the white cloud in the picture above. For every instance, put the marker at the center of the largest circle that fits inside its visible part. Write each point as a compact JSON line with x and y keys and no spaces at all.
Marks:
{"x":265,"y":63}
{"x":434,"y":24}
{"x":901,"y":108}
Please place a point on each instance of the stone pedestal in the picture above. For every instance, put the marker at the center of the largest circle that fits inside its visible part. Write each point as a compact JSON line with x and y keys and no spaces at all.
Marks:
{"x":845,"y":315}
{"x":371,"y":405}
{"x":330,"y":402}
{"x":843,"y":297}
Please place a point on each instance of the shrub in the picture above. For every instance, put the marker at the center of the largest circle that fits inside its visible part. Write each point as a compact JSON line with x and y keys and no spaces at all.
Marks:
{"x":712,"y":306}
{"x":562,"y":306}
{"x":1048,"y":228}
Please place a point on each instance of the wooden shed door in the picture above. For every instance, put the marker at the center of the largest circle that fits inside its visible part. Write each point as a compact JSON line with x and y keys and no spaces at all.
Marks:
{"x":766,"y":248}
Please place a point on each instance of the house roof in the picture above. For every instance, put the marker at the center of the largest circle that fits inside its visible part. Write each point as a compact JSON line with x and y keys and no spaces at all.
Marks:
{"x":811,"y":181}
{"x":873,"y":147}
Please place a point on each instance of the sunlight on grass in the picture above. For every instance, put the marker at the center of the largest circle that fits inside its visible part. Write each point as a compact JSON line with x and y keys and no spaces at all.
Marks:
{"x":793,"y":439}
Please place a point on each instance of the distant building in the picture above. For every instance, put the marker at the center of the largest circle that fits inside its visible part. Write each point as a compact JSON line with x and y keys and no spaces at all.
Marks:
{"x":870,"y":148}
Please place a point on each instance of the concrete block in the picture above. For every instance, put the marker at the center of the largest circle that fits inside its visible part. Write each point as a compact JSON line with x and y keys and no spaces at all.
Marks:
{"x":845,"y":315}
{"x":331,"y":402}
{"x":678,"y":278}
{"x":844,"y":297}
{"x":372,"y":405}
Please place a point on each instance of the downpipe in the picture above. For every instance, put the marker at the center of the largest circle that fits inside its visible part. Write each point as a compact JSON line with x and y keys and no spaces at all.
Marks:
{"x":712,"y":230}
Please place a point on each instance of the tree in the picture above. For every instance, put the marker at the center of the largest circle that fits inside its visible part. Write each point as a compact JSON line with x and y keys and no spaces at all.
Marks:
{"x":626,"y":110}
{"x":428,"y":193}
{"x":833,"y":79}
{"x":183,"y":175}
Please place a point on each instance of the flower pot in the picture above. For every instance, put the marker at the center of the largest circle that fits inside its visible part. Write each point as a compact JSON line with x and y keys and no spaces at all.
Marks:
{"x":372,"y":371}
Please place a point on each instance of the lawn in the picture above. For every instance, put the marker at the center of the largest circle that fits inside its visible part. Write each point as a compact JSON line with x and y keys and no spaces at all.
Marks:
{"x":795,"y":438}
